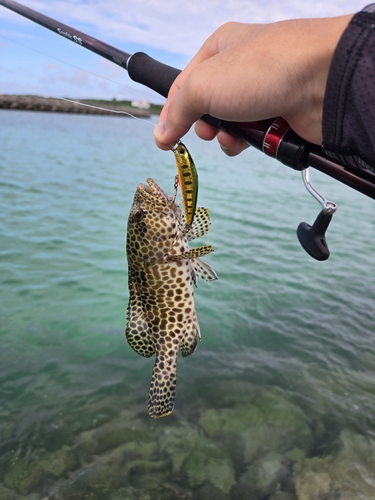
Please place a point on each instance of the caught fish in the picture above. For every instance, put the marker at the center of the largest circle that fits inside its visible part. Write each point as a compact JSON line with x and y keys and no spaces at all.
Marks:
{"x":161,"y":316}
{"x":188,"y":180}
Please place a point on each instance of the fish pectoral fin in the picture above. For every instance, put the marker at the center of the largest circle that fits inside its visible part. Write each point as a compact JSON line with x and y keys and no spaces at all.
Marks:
{"x":163,"y":387}
{"x":201,"y":224}
{"x":193,"y":253}
{"x":137,"y":330}
{"x":204,"y":270}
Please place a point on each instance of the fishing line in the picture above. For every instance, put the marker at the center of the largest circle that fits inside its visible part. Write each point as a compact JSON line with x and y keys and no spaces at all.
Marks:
{"x":116,"y":111}
{"x":104,"y":109}
{"x":77,"y":67}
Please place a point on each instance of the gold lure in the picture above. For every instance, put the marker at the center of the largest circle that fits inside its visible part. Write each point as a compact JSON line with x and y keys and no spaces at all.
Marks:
{"x":188,"y":180}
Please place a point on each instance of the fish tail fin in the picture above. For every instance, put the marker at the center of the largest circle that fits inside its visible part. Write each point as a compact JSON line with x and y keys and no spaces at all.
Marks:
{"x":163,"y":387}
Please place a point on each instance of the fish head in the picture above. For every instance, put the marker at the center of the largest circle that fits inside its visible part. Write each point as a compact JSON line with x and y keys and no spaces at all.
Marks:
{"x":153,"y":225}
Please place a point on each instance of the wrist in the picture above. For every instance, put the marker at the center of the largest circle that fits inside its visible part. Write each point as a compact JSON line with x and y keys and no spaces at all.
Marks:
{"x":320,"y":37}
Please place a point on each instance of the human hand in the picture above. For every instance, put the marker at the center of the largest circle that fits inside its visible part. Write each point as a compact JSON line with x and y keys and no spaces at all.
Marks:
{"x":250,"y":72}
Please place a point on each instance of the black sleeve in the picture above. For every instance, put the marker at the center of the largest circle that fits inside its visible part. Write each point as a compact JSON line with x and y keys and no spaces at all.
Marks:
{"x":349,"y":102}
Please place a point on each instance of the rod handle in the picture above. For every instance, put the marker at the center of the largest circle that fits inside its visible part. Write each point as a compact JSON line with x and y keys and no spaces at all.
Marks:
{"x":152,"y":73}
{"x":159,"y":77}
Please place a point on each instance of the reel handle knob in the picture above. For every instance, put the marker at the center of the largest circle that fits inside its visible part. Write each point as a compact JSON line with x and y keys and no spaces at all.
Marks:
{"x":312,"y":238}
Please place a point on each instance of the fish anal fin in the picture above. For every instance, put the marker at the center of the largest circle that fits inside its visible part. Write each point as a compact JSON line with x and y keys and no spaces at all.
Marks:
{"x":190,"y":339}
{"x":188,"y":346}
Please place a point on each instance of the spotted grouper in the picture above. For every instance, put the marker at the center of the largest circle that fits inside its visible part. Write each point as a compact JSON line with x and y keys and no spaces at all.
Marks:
{"x":161,"y":316}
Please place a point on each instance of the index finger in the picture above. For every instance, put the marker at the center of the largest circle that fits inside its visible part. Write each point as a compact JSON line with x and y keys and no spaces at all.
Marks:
{"x":207,"y":50}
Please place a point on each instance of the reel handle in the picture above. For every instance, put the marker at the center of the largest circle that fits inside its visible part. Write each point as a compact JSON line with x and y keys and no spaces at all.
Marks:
{"x":313,"y":239}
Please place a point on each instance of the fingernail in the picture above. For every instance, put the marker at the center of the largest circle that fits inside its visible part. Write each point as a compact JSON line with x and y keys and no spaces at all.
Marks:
{"x":159,"y":130}
{"x":225,"y":150}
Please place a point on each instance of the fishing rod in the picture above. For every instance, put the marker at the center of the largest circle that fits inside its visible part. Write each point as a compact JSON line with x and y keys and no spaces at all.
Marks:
{"x":273,"y":137}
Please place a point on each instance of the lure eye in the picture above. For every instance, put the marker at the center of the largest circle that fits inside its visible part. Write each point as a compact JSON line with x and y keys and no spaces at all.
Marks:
{"x":181,"y":151}
{"x":138,"y":216}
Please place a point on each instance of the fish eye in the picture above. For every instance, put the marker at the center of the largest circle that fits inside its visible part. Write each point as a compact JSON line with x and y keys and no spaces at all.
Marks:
{"x":181,"y":151}
{"x":138,"y":216}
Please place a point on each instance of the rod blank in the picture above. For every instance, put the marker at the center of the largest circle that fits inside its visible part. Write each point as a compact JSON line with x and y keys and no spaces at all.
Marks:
{"x":88,"y":42}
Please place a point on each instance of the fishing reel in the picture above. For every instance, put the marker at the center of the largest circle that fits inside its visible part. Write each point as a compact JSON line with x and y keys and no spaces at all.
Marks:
{"x":312,"y":238}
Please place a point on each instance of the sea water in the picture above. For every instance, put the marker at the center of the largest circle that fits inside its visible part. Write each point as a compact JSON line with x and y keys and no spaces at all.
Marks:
{"x":283,"y":380}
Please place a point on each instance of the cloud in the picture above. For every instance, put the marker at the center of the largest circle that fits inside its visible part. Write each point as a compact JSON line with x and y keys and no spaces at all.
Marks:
{"x":177,"y":27}
{"x":168,"y":30}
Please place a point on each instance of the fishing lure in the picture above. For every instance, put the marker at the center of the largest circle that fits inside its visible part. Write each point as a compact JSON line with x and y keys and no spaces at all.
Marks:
{"x":188,"y":180}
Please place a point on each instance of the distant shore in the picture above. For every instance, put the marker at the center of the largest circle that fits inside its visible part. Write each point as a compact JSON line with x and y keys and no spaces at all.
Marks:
{"x":36,"y":103}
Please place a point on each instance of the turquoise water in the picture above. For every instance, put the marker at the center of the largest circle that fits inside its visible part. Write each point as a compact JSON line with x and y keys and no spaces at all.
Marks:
{"x":276,"y":325}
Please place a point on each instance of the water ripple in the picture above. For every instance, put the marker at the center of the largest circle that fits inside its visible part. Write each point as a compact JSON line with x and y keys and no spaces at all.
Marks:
{"x":275,"y":315}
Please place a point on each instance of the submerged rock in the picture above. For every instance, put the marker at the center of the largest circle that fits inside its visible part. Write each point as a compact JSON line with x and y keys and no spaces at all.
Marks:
{"x":348,"y":476}
{"x":125,"y":428}
{"x":6,"y":494}
{"x":295,"y":455}
{"x":58,"y":462}
{"x":210,"y":492}
{"x":112,"y":471}
{"x":354,"y":468}
{"x":24,"y":476}
{"x":92,"y":420}
{"x":282,"y":495}
{"x":167,"y":492}
{"x":225,"y":393}
{"x":209,"y":461}
{"x":263,"y":477}
{"x":269,"y":423}
{"x":176,"y":443}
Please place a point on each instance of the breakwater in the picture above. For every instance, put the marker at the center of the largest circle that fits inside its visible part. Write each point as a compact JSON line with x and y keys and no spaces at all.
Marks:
{"x":36,"y":103}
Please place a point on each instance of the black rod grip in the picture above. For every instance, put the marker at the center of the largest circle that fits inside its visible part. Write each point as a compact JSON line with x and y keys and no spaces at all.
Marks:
{"x":152,"y":73}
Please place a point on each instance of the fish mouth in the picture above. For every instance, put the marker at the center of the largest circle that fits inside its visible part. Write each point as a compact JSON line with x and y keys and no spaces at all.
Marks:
{"x":143,"y":187}
{"x":153,"y":192}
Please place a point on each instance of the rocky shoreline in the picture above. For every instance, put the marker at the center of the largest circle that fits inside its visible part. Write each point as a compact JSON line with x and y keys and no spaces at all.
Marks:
{"x":35,"y":103}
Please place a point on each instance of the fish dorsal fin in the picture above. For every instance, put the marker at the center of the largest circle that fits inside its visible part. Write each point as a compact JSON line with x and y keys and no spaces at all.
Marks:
{"x":204,"y":270}
{"x":193,"y":253}
{"x":137,"y":330}
{"x":201,"y":224}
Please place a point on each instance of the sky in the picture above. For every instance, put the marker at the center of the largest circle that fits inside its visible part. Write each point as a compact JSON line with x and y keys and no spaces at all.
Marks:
{"x":34,"y":60}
